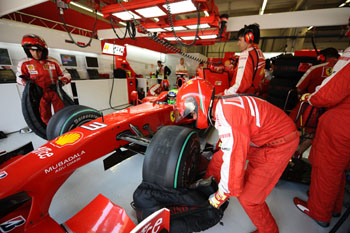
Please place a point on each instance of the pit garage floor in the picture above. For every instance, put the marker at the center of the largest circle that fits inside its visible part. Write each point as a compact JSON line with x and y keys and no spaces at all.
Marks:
{"x":119,"y":183}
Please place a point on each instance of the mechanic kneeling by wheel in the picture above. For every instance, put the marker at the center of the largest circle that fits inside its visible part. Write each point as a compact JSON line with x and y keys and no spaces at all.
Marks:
{"x":249,"y":129}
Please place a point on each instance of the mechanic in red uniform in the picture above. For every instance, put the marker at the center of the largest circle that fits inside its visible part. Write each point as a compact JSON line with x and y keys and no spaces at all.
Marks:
{"x":251,"y":63}
{"x":307,"y":84}
{"x":330,"y":152}
{"x":44,"y":71}
{"x":250,"y":129}
{"x":316,"y":74}
{"x":156,"y":89}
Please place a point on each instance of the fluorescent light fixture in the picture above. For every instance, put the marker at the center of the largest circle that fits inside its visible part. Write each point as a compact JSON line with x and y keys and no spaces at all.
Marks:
{"x":187,"y":37}
{"x":85,"y":8}
{"x":205,"y":25}
{"x":156,"y":19}
{"x":148,"y":12}
{"x":177,"y":28}
{"x":309,"y":28}
{"x":155,"y":29}
{"x":122,"y":23}
{"x":208,"y":37}
{"x":263,"y":7}
{"x":344,"y":3}
{"x":170,"y":38}
{"x":181,"y":7}
{"x":206,"y":13}
{"x":126,"y":15}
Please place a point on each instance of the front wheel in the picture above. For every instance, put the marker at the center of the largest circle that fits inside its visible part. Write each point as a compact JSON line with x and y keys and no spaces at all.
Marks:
{"x":69,"y":118}
{"x":172,"y":157}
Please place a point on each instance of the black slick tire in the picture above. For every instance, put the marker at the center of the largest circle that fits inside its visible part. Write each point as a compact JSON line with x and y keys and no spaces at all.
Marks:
{"x":69,"y":118}
{"x":172,"y":157}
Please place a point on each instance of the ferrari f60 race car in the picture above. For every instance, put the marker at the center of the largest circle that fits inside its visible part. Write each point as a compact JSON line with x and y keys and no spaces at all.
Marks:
{"x":79,"y":135}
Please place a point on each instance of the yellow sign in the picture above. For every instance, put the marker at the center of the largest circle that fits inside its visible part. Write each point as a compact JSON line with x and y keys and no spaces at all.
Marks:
{"x":67,"y":139}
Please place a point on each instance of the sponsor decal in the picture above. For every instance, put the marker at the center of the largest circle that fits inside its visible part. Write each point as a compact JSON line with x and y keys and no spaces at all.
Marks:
{"x":218,"y":83}
{"x":226,"y":135}
{"x":94,"y":126}
{"x":11,"y":224}
{"x":3,"y":174}
{"x":43,"y":152}
{"x":67,"y":139}
{"x":61,"y":165}
{"x":172,"y":116}
{"x":31,"y":69}
{"x":154,"y":223}
{"x":327,"y":71}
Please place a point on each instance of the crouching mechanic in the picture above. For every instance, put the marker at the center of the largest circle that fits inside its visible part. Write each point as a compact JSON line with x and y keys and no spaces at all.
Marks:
{"x":44,"y":71}
{"x":249,"y":129}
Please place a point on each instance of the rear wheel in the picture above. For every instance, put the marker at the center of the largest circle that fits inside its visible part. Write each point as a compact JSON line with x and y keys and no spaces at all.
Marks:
{"x":172,"y":157}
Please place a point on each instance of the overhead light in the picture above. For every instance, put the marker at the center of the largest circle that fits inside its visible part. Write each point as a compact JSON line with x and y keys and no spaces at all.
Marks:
{"x":206,"y":13}
{"x":208,"y":37}
{"x":177,"y":28}
{"x":309,"y":28}
{"x":85,"y":8}
{"x":156,"y":19}
{"x":205,"y":25}
{"x":148,"y":12}
{"x":181,"y":7}
{"x":187,"y":37}
{"x":122,"y":23}
{"x":263,"y":7}
{"x":126,"y":15}
{"x":344,"y":3}
{"x":155,"y":29}
{"x":170,"y":38}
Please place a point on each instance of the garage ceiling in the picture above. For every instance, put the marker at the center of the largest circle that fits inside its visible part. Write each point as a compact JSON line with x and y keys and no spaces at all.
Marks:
{"x":81,"y":21}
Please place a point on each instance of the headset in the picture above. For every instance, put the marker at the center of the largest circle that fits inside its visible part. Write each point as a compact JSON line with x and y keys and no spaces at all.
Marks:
{"x":248,"y":35}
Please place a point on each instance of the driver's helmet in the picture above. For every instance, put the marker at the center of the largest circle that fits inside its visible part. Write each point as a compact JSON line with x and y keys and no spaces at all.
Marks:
{"x":172,"y":96}
{"x":165,"y":84}
{"x":197,"y":96}
{"x":34,"y":42}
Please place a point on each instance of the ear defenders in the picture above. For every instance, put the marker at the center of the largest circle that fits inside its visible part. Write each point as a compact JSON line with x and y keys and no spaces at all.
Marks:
{"x":321,"y":58}
{"x":248,"y":35}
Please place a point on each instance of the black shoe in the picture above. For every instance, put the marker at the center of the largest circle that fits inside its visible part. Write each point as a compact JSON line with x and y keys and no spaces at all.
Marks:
{"x":336,"y":215}
{"x":322,"y":224}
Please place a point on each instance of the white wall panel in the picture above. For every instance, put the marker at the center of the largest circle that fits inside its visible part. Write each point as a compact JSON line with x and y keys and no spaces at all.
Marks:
{"x":294,"y":19}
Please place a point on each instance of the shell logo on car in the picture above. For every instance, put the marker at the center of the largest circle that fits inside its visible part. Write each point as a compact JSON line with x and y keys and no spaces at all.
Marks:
{"x":67,"y":139}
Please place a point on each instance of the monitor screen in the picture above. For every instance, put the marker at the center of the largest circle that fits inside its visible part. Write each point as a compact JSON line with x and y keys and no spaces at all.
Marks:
{"x":7,"y":76}
{"x":93,"y":74}
{"x":68,"y":60}
{"x":91,"y":62}
{"x":74,"y":74}
{"x":5,"y":59}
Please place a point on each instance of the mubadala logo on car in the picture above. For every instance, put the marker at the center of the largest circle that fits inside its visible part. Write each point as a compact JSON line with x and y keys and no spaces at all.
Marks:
{"x":64,"y":163}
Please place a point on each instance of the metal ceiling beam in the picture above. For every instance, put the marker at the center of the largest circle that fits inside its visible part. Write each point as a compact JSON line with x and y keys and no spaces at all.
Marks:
{"x":295,"y":19}
{"x":9,"y":6}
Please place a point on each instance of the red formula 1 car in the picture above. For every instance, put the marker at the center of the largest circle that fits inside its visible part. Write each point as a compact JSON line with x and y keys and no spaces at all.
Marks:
{"x":29,"y":182}
{"x":77,"y":136}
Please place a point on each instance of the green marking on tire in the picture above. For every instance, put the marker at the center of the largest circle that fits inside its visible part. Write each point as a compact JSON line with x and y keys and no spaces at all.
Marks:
{"x":73,"y":115}
{"x":179,"y":160}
